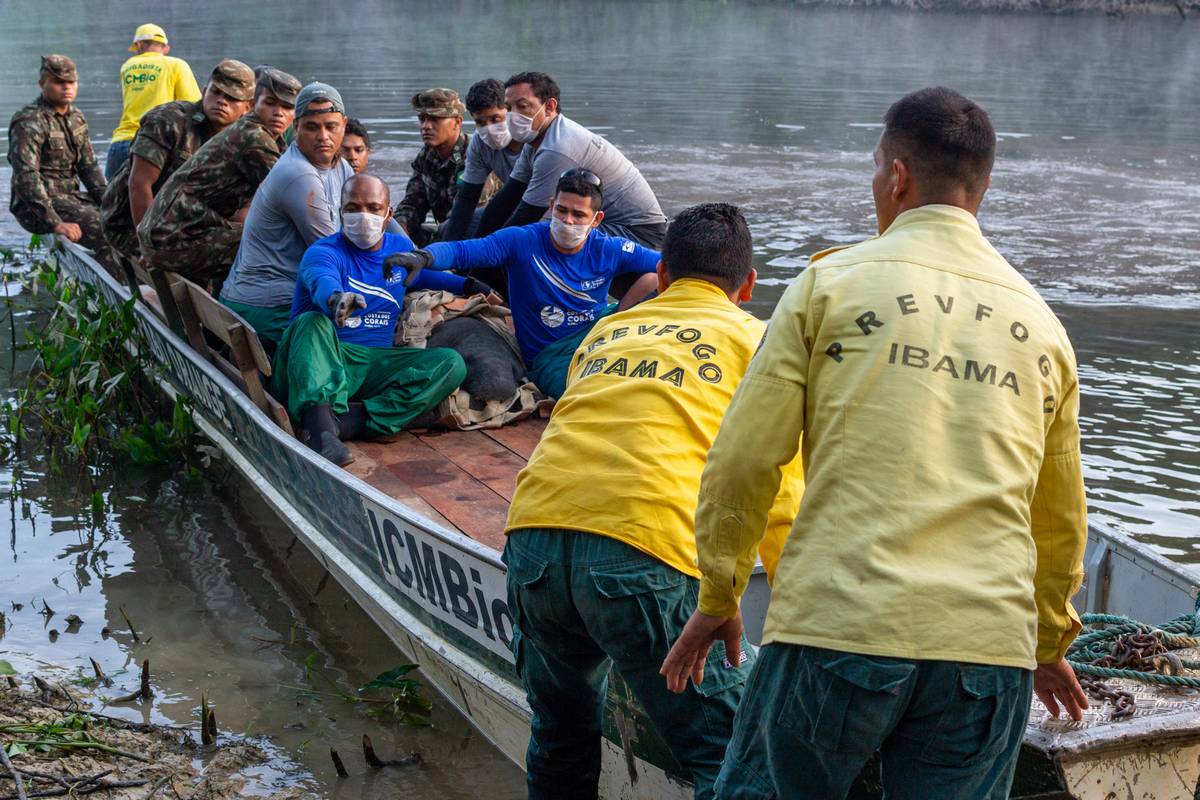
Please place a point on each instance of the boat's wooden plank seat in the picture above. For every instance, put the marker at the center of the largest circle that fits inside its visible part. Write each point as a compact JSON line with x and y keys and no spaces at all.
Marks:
{"x":192,"y":312}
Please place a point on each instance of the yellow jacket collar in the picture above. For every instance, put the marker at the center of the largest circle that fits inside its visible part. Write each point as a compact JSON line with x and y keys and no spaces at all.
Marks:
{"x":935,"y":212}
{"x":696,"y":285}
{"x":942,"y":214}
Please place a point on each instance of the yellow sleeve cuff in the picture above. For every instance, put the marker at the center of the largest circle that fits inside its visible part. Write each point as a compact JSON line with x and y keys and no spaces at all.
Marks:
{"x":1053,"y":640}
{"x":717,"y":601}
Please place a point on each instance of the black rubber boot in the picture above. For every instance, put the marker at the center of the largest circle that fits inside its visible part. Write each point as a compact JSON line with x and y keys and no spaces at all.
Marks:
{"x":321,"y":428}
{"x":352,"y":424}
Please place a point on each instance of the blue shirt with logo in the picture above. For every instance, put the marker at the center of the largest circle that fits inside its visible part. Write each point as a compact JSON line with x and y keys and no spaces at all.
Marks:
{"x":551,"y":294}
{"x":333,"y":264}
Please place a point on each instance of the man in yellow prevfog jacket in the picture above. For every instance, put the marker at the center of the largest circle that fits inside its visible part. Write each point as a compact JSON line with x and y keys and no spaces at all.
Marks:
{"x":924,"y":588}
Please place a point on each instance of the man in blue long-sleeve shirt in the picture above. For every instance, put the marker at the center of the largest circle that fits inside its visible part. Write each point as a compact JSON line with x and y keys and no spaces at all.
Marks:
{"x":559,"y":274}
{"x":336,"y":369}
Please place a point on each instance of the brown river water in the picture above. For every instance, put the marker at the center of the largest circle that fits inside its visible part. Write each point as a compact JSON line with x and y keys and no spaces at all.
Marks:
{"x":1095,"y":197}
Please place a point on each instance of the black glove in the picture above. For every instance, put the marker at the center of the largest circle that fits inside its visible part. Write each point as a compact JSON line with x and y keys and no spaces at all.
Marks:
{"x":414,"y":261}
{"x":343,"y":304}
{"x":474,"y":286}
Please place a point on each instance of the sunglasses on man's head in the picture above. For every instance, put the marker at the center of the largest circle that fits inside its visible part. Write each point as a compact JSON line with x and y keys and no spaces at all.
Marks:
{"x":586,"y":174}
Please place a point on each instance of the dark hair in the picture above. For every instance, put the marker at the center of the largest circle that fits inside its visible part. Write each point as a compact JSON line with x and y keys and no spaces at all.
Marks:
{"x":709,"y":241}
{"x":577,"y":184}
{"x":943,"y":138}
{"x":355,"y":128}
{"x":487,"y":93}
{"x":542,"y":84}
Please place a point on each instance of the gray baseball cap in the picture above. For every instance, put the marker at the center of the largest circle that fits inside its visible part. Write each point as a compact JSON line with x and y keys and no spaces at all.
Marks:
{"x":320,"y":93}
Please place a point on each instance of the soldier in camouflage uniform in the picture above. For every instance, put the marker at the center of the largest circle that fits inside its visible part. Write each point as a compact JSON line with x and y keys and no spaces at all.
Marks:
{"x":50,"y":154}
{"x":194,"y":225}
{"x":166,"y":138}
{"x":438,"y":168}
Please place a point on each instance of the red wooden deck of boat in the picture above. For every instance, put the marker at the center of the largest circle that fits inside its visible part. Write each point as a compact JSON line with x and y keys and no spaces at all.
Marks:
{"x":462,"y":479}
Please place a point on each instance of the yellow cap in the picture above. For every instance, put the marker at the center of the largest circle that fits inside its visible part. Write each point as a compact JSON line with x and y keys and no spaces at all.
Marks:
{"x":148,"y":33}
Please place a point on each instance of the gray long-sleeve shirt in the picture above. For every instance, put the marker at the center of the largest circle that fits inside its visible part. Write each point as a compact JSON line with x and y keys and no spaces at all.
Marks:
{"x":295,"y":206}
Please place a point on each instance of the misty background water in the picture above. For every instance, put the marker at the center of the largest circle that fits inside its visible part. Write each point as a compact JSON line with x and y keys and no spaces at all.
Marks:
{"x":1095,"y":198}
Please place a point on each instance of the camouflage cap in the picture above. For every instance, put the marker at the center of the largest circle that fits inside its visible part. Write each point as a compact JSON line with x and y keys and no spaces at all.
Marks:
{"x":319,"y":93}
{"x":438,"y":103}
{"x":59,"y":66}
{"x":234,"y":79}
{"x":280,"y":84}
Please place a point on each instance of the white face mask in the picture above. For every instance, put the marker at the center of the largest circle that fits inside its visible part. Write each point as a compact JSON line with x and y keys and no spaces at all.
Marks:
{"x":496,"y":135}
{"x":362,"y":229}
{"x":521,"y":126}
{"x":566,"y":235}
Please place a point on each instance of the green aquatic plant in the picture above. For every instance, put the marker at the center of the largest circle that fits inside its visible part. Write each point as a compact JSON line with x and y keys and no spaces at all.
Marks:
{"x":403,"y":698}
{"x":88,"y":395}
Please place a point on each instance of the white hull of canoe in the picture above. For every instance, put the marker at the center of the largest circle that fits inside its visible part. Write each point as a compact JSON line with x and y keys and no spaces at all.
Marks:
{"x":384,"y":554}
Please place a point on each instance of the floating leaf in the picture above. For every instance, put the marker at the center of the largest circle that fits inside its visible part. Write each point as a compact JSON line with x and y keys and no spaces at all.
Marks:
{"x":6,"y":668}
{"x":392,"y":679}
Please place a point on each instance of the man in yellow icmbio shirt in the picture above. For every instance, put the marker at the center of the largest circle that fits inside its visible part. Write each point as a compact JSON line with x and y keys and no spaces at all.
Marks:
{"x":148,"y":79}
{"x":925,"y":587}
{"x":601,"y":556}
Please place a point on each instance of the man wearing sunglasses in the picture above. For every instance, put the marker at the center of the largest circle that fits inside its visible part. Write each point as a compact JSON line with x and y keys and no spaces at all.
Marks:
{"x":559,"y":274}
{"x":553,"y":144}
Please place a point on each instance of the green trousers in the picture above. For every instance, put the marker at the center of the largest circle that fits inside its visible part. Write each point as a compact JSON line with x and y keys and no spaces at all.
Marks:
{"x":812,"y":718}
{"x":394,"y":384}
{"x":550,"y":367}
{"x":269,"y":322}
{"x":582,"y":604}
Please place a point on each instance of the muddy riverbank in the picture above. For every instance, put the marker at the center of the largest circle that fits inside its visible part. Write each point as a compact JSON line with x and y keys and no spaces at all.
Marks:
{"x":57,"y":744}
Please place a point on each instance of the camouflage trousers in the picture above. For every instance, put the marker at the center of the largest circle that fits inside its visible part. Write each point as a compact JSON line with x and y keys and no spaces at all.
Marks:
{"x":84,"y":212}
{"x":201,"y":261}
{"x":124,"y":242}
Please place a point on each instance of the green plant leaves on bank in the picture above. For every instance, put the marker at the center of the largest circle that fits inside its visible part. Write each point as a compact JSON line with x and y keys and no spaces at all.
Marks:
{"x":6,"y":668}
{"x":90,"y":392}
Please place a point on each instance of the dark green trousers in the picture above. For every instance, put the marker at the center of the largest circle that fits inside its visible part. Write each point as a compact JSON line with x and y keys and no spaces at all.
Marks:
{"x":269,"y":322}
{"x":811,"y":719}
{"x":582,"y":604}
{"x":394,"y":384}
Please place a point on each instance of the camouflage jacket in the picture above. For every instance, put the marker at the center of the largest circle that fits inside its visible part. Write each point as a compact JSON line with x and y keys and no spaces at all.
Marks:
{"x":219,"y":179}
{"x":167,"y":137}
{"x":49,"y":153}
{"x":433,"y":184}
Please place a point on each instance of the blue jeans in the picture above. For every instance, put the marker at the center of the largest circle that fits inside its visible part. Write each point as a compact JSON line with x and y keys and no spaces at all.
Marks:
{"x":812,"y":718}
{"x":584,"y":603}
{"x":118,"y":152}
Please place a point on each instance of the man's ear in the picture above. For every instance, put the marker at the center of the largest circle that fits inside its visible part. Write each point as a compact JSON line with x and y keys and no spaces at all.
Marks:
{"x":900,"y":179}
{"x":745,"y":292}
{"x":664,"y":279}
{"x":551,"y":106}
{"x":598,"y":219}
